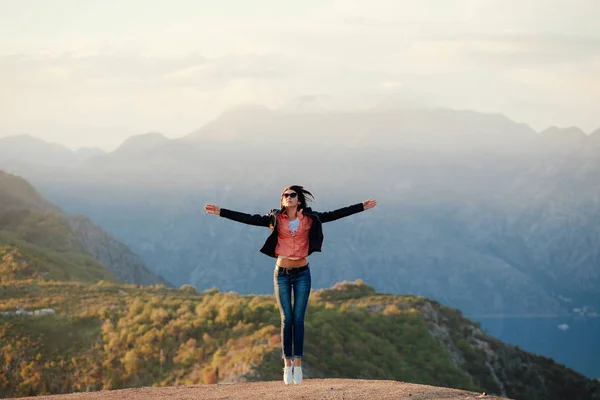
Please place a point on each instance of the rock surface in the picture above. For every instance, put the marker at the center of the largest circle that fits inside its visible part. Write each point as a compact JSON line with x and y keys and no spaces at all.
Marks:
{"x":114,"y":255}
{"x":323,"y":389}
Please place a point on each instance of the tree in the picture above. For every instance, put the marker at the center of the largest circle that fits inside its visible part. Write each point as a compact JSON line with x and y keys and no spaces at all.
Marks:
{"x":188,"y":289}
{"x":12,"y":265}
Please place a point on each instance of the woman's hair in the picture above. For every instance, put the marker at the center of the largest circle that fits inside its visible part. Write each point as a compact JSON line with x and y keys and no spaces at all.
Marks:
{"x":303,"y":196}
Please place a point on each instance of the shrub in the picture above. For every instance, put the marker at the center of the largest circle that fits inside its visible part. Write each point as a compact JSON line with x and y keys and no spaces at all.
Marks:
{"x":188,"y":289}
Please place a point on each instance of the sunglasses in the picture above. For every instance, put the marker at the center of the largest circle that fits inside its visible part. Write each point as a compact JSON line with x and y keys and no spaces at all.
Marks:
{"x":290,"y":195}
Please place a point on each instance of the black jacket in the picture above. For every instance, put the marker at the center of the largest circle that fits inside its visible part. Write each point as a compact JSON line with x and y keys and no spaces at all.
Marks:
{"x":315,"y":234}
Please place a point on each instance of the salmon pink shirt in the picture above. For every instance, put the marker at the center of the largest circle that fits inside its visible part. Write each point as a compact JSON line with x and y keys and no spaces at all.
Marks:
{"x":292,"y":244}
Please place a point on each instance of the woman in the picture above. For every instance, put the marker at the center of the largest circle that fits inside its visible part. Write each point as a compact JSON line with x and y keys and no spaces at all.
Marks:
{"x":296,"y":233}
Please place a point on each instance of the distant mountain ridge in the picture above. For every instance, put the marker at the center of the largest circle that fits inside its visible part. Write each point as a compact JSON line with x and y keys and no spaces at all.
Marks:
{"x":259,"y":123}
{"x":441,"y":129}
{"x":467,"y":200}
{"x":141,"y":143}
{"x":29,"y":149}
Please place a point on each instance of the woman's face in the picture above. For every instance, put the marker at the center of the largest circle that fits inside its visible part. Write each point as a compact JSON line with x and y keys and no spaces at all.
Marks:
{"x":289,"y":198}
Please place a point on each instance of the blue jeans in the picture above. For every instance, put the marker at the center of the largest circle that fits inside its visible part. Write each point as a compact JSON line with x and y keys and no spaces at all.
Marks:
{"x":292,"y":317}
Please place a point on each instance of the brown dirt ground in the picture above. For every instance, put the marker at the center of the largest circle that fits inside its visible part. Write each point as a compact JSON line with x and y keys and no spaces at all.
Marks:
{"x":322,"y":389}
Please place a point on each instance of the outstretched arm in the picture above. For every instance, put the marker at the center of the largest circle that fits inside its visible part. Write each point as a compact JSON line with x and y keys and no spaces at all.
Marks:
{"x":255,"y":219}
{"x":329,"y":216}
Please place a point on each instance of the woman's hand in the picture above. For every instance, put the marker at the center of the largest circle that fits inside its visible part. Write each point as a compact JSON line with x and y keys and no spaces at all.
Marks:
{"x":212,"y":209}
{"x":369,"y":204}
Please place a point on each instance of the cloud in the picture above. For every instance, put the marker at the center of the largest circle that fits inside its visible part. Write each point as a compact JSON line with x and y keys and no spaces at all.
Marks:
{"x":391,"y":85}
{"x":171,"y":70}
{"x":96,"y":68}
{"x":517,"y":49}
{"x":222,"y":70}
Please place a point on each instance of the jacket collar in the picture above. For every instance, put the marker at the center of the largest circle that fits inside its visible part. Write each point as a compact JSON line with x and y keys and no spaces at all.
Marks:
{"x":306,"y":211}
{"x":301,"y":212}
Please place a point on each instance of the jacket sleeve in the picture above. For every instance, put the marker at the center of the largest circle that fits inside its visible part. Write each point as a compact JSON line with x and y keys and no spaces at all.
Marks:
{"x":250,"y":219}
{"x":329,"y":216}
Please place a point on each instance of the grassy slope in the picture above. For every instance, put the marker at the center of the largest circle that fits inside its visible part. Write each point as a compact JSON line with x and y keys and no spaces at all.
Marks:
{"x":113,"y":336}
{"x":44,"y":229}
{"x":58,"y":265}
{"x":16,"y":192}
{"x":43,"y":237}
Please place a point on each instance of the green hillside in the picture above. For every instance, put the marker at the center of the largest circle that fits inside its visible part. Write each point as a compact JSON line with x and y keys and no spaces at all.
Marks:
{"x":57,"y":246}
{"x":110,"y":336}
{"x":50,"y":264}
{"x":44,"y":229}
{"x":45,"y":242}
{"x":37,"y":235}
{"x":16,"y":192}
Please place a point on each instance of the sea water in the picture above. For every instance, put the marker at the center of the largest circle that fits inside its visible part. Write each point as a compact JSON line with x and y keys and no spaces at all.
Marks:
{"x":571,"y":341}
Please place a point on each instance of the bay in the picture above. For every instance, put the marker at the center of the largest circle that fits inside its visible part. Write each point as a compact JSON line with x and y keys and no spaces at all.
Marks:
{"x":572,"y":341}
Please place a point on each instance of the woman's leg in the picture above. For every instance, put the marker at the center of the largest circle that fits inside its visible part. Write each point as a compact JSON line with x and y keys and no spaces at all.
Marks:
{"x":301,"y":285}
{"x":283,"y":294}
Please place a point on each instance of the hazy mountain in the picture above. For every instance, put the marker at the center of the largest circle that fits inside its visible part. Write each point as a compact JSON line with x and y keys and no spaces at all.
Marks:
{"x":89,"y":152}
{"x":431,"y":129}
{"x":28,"y":151}
{"x":563,"y":140}
{"x":139,"y":144}
{"x":137,"y":153}
{"x":63,"y":246}
{"x":26,"y":148}
{"x":117,"y":257}
{"x":475,"y":210}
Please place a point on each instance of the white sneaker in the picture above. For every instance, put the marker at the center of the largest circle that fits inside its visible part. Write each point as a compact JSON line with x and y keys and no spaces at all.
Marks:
{"x":297,"y":374}
{"x":287,"y":375}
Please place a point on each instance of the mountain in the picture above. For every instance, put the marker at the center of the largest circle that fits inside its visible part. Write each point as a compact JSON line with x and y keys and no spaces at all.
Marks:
{"x":138,"y":152}
{"x":116,"y":256}
{"x":61,"y":246}
{"x":563,"y":140}
{"x":89,"y":152}
{"x":459,"y":189}
{"x":475,"y":211}
{"x":434,"y":129}
{"x":25,"y":149}
{"x":16,"y":193}
{"x":139,"y":144}
{"x":108,"y":336}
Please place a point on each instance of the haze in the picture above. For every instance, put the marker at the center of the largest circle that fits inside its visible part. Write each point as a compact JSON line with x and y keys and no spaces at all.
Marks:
{"x":92,"y":74}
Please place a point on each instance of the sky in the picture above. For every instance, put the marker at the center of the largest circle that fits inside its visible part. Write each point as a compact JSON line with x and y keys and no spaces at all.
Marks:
{"x":91,"y":74}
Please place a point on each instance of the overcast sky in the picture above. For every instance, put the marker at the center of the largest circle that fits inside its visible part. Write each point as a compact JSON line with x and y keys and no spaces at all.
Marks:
{"x":91,"y":73}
